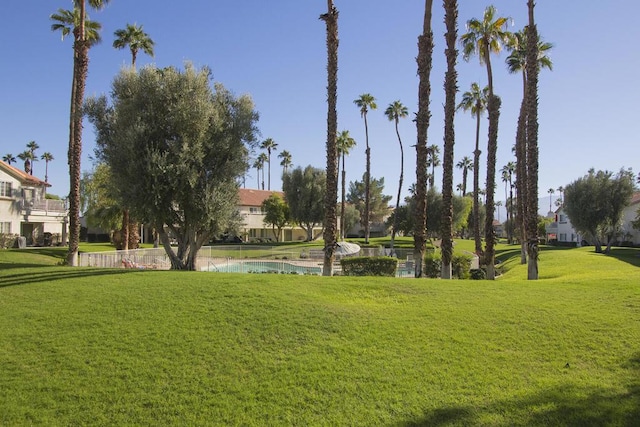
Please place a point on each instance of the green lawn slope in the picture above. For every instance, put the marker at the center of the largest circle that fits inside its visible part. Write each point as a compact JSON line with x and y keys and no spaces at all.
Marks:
{"x":126,"y":347}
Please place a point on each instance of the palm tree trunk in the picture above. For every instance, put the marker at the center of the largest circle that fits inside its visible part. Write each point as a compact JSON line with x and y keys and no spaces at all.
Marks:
{"x":367,"y":183}
{"x":125,"y":229}
{"x":75,"y":153}
{"x":342,"y":201}
{"x":493,"y":109}
{"x":532,"y":143}
{"x":521,"y":181}
{"x":330,"y":223}
{"x":476,"y":189}
{"x":395,"y":216}
{"x":424,"y":60}
{"x":450,"y":84}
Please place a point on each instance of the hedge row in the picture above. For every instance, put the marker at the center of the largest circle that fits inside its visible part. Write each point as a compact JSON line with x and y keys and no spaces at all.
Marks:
{"x":369,"y":266}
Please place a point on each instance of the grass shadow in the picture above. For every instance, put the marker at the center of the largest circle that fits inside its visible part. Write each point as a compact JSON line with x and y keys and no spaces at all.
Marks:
{"x":49,"y":275}
{"x":565,"y":405}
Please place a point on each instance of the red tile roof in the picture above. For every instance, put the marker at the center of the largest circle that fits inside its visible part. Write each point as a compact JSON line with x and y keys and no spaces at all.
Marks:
{"x":256,"y":197}
{"x":635,"y":198}
{"x":24,"y":177}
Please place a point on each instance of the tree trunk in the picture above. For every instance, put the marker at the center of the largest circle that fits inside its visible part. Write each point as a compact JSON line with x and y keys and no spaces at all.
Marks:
{"x":532,"y":143}
{"x":476,"y":190}
{"x":81,"y":58}
{"x":367,"y":185}
{"x":424,"y":60}
{"x":330,"y":223}
{"x":395,"y":216}
{"x":450,"y":86}
{"x":521,"y":172}
{"x":125,"y":229}
{"x":493,"y":109}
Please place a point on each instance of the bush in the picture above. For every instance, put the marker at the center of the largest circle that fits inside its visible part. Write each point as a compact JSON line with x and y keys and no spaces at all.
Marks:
{"x":460,"y":265}
{"x":369,"y":266}
{"x":8,"y":240}
{"x":478,"y":274}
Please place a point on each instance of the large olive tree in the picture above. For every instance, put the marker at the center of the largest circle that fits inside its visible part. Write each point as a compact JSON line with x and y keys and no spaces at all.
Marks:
{"x":176,"y":148}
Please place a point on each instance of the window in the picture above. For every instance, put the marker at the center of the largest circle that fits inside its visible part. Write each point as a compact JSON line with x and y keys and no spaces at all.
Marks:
{"x":5,"y":189}
{"x":563,"y":219}
{"x":563,"y":237}
{"x":5,"y":228}
{"x":255,"y":210}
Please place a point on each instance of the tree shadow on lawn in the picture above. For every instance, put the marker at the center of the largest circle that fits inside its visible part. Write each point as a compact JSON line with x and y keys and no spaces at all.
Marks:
{"x":564,"y":405}
{"x":52,"y":275}
{"x":628,"y":255}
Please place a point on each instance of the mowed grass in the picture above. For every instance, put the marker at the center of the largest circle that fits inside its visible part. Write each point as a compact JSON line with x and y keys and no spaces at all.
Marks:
{"x":124,"y":347}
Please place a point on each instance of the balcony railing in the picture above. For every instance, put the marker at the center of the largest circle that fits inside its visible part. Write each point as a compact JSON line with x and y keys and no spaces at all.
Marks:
{"x":47,"y":205}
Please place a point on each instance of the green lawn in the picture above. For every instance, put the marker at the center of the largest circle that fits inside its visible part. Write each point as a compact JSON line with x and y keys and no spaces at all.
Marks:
{"x":127,"y":347}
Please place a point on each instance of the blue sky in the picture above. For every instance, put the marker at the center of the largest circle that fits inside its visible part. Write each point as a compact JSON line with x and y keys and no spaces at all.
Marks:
{"x":275,"y":51}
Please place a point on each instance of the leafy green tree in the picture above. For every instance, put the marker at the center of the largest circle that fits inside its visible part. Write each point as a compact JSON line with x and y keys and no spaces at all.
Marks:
{"x":366,"y":102}
{"x":350,"y":217}
{"x":475,"y":101}
{"x":85,"y":36}
{"x":134,"y":37}
{"x":304,"y":192}
{"x":344,"y":143}
{"x":424,"y":61}
{"x":276,"y":214}
{"x":595,"y":204}
{"x":99,"y":202}
{"x":394,"y":112}
{"x":176,"y":159}
{"x":378,"y":202}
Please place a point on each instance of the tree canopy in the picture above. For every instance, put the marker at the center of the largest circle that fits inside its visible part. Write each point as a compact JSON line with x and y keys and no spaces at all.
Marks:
{"x":176,"y":148}
{"x":378,"y":202}
{"x":595,"y":203}
{"x":276,"y":214}
{"x":304,"y":191}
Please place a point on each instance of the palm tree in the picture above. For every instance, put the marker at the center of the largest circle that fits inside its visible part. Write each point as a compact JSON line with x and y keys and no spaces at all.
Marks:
{"x":33,"y":146}
{"x":507,"y":176}
{"x":9,"y":158}
{"x":330,"y":223}
{"x":516,"y":63}
{"x":561,"y":191}
{"x":433,"y":160}
{"x":459,"y":188}
{"x":258,"y":164}
{"x":262,"y":158}
{"x":450,"y":88}
{"x":83,"y":40}
{"x":47,"y":157}
{"x":344,"y":143}
{"x":269,"y":145}
{"x":424,"y":61}
{"x":286,"y":160}
{"x":484,"y":38}
{"x":465,"y":164}
{"x":394,"y":112}
{"x":27,"y":157}
{"x":475,"y":101}
{"x":366,"y":102}
{"x":551,"y":192}
{"x":134,"y":37}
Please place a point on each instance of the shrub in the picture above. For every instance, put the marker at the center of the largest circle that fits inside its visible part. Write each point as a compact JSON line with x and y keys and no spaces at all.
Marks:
{"x":8,"y":240}
{"x":432,"y":264}
{"x":369,"y":266}
{"x":478,"y":274}
{"x":460,"y":265}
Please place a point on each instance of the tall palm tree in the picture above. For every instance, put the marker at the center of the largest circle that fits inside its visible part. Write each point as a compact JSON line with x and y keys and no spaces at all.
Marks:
{"x":47,"y":157}
{"x":450,"y":88}
{"x":532,"y":70}
{"x":82,"y":42}
{"x":134,"y":37}
{"x":366,"y":102}
{"x":262,"y":158}
{"x":33,"y":146}
{"x":344,"y":143}
{"x":465,"y":164}
{"x":269,"y":145}
{"x":27,"y":157}
{"x":516,"y":63}
{"x":433,"y":160}
{"x":258,"y":164}
{"x":394,"y":112}
{"x":475,"y":101}
{"x":330,"y":223}
{"x":424,"y":61}
{"x":561,"y":191}
{"x":9,"y":158}
{"x":484,"y":37}
{"x":507,"y":176}
{"x":551,"y":192}
{"x":286,"y":160}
